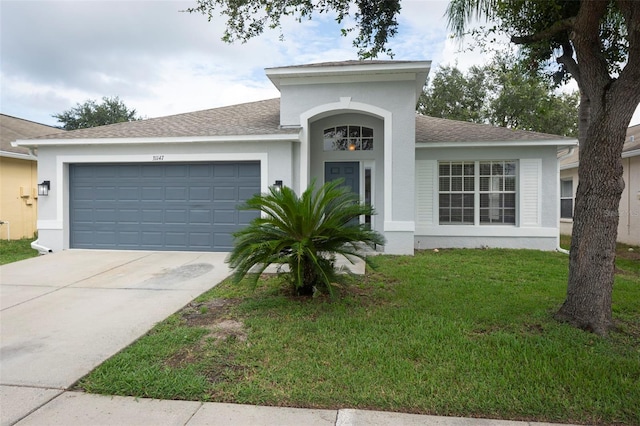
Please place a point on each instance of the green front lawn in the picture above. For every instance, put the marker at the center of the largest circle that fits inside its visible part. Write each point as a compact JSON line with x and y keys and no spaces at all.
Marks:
{"x":454,"y":332}
{"x":14,"y":250}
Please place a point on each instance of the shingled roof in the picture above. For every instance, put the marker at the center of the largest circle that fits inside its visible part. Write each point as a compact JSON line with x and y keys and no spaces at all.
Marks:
{"x":13,"y":128}
{"x":263,"y":118}
{"x":437,"y":130}
{"x":253,"y":118}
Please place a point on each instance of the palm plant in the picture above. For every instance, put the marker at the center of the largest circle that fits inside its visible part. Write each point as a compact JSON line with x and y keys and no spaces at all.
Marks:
{"x":305,"y":233}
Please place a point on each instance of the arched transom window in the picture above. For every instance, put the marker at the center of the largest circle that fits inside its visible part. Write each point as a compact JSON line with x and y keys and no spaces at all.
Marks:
{"x":348,"y":138}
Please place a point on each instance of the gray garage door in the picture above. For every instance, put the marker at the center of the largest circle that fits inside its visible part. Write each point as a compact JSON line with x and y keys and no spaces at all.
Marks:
{"x":170,"y":206}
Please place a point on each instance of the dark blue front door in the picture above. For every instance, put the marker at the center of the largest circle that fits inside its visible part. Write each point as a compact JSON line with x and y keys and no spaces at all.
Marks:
{"x":349,"y":171}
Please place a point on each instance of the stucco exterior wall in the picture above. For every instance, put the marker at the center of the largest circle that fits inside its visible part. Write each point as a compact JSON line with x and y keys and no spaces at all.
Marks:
{"x":53,"y":221}
{"x":18,"y":198}
{"x":537,"y":205}
{"x":392,"y":102}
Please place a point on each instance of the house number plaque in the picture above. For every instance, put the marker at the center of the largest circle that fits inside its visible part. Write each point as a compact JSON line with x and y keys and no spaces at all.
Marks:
{"x":158,"y":157}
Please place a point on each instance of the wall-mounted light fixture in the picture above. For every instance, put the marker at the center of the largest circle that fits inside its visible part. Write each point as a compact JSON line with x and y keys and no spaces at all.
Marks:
{"x":44,"y":187}
{"x":278,"y":185}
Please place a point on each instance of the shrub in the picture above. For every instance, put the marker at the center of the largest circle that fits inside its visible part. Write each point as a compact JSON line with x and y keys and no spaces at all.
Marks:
{"x":305,"y":233}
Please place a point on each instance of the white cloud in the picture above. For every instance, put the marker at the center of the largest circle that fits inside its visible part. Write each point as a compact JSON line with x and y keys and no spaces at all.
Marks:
{"x":161,"y":61}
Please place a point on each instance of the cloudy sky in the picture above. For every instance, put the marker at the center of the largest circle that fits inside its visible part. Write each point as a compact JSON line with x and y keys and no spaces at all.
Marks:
{"x":161,"y":61}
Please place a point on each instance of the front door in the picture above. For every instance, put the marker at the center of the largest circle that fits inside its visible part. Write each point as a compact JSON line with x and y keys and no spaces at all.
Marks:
{"x":349,"y":171}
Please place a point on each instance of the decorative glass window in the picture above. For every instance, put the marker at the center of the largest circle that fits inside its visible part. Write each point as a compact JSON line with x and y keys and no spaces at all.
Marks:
{"x":566,"y":198}
{"x":477,"y":192}
{"x":348,"y":138}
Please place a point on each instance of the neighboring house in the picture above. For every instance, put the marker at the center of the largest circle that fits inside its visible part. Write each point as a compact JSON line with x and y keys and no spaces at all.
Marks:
{"x":18,"y":177}
{"x":173,"y":183}
{"x":629,"y":210}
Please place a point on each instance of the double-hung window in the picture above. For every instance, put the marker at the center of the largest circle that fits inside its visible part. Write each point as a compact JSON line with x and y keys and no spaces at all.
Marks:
{"x":477,"y":192}
{"x":566,"y":198}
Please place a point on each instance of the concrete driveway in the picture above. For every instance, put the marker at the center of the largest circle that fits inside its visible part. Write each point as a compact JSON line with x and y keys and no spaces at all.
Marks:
{"x":63,"y":314}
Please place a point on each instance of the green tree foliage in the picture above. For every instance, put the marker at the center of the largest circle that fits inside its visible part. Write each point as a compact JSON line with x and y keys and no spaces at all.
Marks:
{"x":305,"y":233}
{"x":502,"y":93}
{"x":457,"y":96}
{"x":92,"y":114}
{"x":375,"y":20}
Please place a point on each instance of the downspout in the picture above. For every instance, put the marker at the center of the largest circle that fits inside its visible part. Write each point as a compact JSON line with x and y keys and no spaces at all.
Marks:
{"x":41,"y":249}
{"x":34,"y":245}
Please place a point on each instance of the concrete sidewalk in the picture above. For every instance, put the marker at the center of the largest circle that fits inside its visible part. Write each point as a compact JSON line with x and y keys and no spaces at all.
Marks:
{"x":63,"y":314}
{"x":80,"y":409}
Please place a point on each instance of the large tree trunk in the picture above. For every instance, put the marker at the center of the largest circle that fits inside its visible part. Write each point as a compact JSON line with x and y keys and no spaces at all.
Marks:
{"x":612,"y":101}
{"x":595,"y":223}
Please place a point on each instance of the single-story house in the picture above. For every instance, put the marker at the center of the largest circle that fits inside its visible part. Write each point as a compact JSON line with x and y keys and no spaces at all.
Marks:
{"x":629,"y":210}
{"x":18,"y":176}
{"x":173,"y":183}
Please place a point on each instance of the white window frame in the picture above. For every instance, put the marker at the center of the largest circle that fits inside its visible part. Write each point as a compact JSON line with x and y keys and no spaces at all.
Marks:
{"x":564,"y":197}
{"x":477,"y":193}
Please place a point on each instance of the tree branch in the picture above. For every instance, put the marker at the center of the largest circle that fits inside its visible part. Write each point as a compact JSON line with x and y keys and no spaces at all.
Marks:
{"x":547,"y":34}
{"x":569,"y":62}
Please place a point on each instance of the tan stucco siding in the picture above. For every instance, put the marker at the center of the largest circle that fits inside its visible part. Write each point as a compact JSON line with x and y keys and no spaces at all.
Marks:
{"x":18,"y":202}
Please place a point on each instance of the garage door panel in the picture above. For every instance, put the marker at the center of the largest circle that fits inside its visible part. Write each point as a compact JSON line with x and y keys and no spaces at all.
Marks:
{"x":176,"y":193}
{"x":176,"y":217}
{"x":154,"y":217}
{"x":106,"y":193}
{"x":151,"y":171}
{"x":225,"y":170}
{"x":177,"y":170}
{"x":225,"y":217}
{"x":200,"y":170}
{"x":225,"y":193}
{"x":247,"y":170}
{"x":102,"y":216}
{"x":151,"y":238}
{"x":160,"y":206}
{"x":199,"y":193}
{"x":245,"y":217}
{"x":129,"y":171}
{"x":152,"y":193}
{"x":128,"y":193}
{"x":246,"y":192}
{"x":200,"y":217}
{"x":224,"y":240}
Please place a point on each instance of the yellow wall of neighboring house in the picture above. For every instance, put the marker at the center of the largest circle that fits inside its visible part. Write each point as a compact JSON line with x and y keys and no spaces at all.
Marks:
{"x":18,"y":198}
